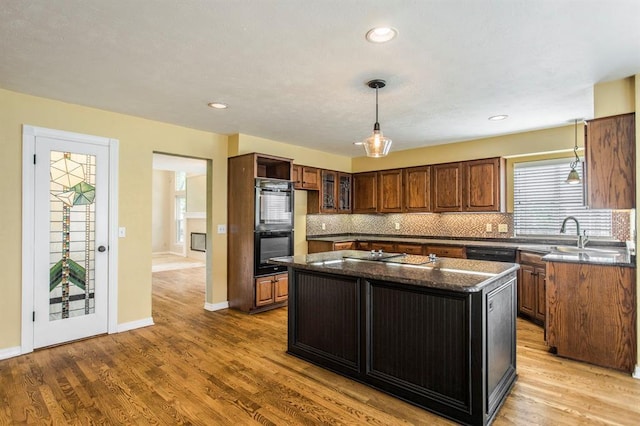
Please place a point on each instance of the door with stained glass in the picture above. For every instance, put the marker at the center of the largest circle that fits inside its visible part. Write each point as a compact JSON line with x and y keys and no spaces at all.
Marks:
{"x":71,"y":233}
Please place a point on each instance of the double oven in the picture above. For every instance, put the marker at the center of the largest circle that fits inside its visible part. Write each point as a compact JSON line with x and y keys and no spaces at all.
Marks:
{"x":273,"y":224}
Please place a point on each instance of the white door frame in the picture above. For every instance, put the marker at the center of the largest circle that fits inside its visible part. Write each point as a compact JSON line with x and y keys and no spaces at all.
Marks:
{"x":29,"y":134}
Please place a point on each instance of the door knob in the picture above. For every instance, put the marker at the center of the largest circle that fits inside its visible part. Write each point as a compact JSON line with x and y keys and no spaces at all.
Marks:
{"x":101,"y":249}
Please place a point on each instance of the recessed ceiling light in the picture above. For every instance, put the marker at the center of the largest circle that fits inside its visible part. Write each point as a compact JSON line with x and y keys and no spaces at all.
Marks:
{"x":358,"y":143}
{"x":381,"y":34}
{"x":498,"y":117}
{"x":218,"y":105}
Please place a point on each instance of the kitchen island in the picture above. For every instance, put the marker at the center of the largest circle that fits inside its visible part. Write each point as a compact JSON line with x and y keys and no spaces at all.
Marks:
{"x":437,"y":333}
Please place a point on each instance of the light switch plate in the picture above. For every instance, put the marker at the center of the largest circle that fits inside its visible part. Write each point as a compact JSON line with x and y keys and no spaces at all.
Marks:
{"x":222,"y":229}
{"x":122,"y":232}
{"x":503,"y":227}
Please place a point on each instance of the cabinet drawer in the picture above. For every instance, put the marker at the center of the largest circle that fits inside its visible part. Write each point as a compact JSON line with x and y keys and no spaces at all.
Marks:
{"x":363,"y":245}
{"x":528,"y":257}
{"x":447,"y":251}
{"x":344,"y":245}
{"x":388,"y":247}
{"x":410,"y":248}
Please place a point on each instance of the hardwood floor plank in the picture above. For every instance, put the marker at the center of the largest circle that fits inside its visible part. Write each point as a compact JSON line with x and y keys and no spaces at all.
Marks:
{"x":227,"y":368}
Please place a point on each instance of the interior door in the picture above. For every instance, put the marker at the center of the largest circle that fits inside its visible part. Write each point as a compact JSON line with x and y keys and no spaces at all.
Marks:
{"x":71,"y":235}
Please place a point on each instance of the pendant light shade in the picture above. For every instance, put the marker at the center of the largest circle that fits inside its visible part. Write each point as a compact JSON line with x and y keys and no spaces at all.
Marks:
{"x":377,"y":145}
{"x":574,"y":177}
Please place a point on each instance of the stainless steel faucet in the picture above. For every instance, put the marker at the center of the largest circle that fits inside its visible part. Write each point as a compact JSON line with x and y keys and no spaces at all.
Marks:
{"x":582,"y":238}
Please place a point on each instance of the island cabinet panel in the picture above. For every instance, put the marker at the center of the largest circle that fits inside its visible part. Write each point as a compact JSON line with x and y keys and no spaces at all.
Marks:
{"x":591,"y":313}
{"x":403,"y":335}
{"x":390,"y":191}
{"x":610,"y":159}
{"x":365,"y":192}
{"x":447,"y":187}
{"x":448,"y":351}
{"x":417,"y":189}
{"x":325,"y":325}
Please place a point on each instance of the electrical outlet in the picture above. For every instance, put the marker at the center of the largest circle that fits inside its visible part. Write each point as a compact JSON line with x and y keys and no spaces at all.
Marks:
{"x":397,"y":225}
{"x":324,"y":226}
{"x":222,"y":229}
{"x":503,"y":227}
{"x":489,"y":227}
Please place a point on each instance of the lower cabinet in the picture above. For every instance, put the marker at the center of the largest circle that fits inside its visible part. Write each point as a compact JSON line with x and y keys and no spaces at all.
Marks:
{"x":532,"y":281}
{"x":447,"y":251}
{"x":272,"y":289}
{"x":592,"y":313}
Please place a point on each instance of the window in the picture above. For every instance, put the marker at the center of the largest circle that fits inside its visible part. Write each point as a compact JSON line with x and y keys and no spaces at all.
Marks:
{"x":180,"y":205}
{"x":542,"y":200}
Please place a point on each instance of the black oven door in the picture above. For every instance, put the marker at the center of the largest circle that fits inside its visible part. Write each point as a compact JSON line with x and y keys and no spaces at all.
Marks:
{"x":270,"y":244}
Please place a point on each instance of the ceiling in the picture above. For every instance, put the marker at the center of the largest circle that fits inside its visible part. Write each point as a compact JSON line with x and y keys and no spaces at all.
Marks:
{"x":296,"y":71}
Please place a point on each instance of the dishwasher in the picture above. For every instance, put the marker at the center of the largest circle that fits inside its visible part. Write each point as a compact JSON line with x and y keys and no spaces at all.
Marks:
{"x":494,"y":254}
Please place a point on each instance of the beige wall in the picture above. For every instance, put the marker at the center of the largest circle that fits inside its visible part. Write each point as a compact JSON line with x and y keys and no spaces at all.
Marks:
{"x":614,"y":97}
{"x":637,"y":224}
{"x":161,"y":211}
{"x":139,"y":138}
{"x":196,"y":194}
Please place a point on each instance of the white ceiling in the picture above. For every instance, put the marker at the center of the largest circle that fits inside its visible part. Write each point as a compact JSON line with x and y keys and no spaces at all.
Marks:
{"x":296,"y":71}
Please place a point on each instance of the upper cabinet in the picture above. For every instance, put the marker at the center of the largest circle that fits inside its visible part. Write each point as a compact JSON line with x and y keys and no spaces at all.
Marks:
{"x":334,"y":195}
{"x":365,"y":192}
{"x":306,"y":177}
{"x":417,"y":189}
{"x":271,"y":167}
{"x":390,"y":191}
{"x":610,"y":159}
{"x":447,"y":187}
{"x":482,"y":185}
{"x":468,"y":186}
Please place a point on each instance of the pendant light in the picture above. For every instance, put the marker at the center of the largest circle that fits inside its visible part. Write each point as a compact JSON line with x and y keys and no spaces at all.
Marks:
{"x":574,"y":177}
{"x":377,"y":145}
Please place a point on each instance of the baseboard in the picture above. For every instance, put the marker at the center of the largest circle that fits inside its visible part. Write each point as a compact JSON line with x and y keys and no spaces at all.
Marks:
{"x":135,"y":324}
{"x":216,"y":306}
{"x":10,"y":352}
{"x":636,"y":372}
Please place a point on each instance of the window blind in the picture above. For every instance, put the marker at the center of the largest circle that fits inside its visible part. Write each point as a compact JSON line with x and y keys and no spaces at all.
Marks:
{"x":542,"y":200}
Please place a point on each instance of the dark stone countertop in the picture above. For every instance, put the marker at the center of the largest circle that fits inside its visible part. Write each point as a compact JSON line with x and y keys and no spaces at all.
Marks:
{"x":462,"y":275}
{"x":602,"y":252}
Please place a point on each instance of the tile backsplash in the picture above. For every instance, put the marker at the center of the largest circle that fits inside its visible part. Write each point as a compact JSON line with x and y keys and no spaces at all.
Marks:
{"x":472,"y":225}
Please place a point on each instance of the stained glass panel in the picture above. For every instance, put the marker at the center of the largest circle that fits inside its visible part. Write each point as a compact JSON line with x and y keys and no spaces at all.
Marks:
{"x":72,"y":224}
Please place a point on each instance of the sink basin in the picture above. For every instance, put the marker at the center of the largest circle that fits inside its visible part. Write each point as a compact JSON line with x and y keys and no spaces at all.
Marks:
{"x":585,"y":250}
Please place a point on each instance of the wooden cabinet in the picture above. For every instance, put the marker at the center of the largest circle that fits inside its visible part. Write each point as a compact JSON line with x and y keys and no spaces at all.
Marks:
{"x":306,"y":178}
{"x":365,"y":192}
{"x":610,"y":162}
{"x":532,"y":287}
{"x":446,"y":251}
{"x":382,"y":245}
{"x":447,"y":187}
{"x":469,"y":186}
{"x":315,"y":246}
{"x":363,"y":245}
{"x":390,"y":191}
{"x":409,"y":248}
{"x":272,"y":289}
{"x":416,"y":189}
{"x":481,"y":189}
{"x":246,"y":292}
{"x":344,"y":194}
{"x":591,"y":313}
{"x":334,"y":195}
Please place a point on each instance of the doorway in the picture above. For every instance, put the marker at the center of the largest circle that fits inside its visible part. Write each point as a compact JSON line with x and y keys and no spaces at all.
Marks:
{"x":179,"y":214}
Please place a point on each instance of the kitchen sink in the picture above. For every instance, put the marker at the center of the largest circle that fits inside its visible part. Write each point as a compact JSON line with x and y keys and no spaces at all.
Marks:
{"x":585,"y":250}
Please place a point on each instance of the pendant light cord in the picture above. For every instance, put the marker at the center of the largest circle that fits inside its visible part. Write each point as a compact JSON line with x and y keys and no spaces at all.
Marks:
{"x":574,"y":163}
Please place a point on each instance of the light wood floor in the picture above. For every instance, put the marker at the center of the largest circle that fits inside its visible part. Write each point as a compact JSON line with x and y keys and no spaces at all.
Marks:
{"x":225,"y":367}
